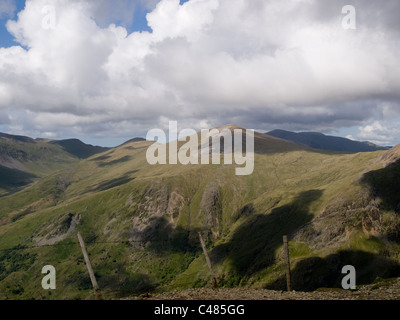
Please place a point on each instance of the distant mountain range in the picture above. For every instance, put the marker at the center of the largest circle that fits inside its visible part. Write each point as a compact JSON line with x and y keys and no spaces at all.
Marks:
{"x":318,"y":140}
{"x":23,"y":159}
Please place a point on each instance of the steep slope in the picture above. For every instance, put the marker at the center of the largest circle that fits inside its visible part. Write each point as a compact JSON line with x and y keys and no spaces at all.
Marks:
{"x":320,"y":141}
{"x":141,"y":223}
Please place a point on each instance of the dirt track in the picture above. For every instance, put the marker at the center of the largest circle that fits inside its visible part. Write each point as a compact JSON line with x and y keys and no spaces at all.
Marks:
{"x":370,"y":292}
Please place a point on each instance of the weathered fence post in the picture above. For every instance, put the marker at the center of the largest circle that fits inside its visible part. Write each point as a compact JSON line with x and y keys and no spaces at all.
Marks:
{"x":287,"y":260}
{"x":208,"y":261}
{"x":89,"y":267}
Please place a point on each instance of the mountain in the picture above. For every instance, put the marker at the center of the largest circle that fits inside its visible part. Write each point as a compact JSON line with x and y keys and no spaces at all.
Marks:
{"x":320,"y":141}
{"x":141,"y":222}
{"x":133,"y":140}
{"x":78,"y":149}
{"x":23,"y":159}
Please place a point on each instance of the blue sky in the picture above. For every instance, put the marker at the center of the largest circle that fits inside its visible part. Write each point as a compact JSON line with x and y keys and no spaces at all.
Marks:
{"x":139,"y":22}
{"x":7,"y":40}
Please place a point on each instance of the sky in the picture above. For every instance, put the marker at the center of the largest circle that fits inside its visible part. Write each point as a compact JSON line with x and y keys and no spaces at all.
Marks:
{"x":106,"y":71}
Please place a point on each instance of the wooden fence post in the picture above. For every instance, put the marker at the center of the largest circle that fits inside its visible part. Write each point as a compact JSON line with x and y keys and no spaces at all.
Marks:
{"x":287,"y":260}
{"x":89,"y":267}
{"x":208,"y":261}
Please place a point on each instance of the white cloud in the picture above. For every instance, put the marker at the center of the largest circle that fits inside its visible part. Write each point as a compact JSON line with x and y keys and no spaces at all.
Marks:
{"x":7,"y":8}
{"x":254,"y":63}
{"x":105,"y":12}
{"x":380,"y":133}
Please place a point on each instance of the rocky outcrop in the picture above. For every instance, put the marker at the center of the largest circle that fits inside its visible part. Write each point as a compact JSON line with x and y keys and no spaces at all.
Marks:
{"x":57,"y":229}
{"x":211,"y":207}
{"x":159,"y":208}
{"x":338,"y":220}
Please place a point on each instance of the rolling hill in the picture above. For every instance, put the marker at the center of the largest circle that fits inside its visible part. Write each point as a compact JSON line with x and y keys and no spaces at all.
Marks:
{"x":320,"y":141}
{"x":141,"y":222}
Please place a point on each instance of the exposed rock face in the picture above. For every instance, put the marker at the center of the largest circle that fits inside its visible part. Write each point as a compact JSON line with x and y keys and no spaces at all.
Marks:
{"x":176,"y":203}
{"x":371,"y":221}
{"x":211,"y":205}
{"x":57,"y":230}
{"x":338,"y":221}
{"x":159,"y":208}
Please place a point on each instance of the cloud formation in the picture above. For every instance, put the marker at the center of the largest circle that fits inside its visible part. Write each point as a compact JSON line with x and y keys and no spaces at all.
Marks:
{"x":259,"y":64}
{"x":7,"y":8}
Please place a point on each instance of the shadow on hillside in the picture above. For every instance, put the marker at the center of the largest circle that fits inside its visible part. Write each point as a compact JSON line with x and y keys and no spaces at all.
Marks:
{"x":162,"y":237}
{"x":11,"y":180}
{"x":114,"y":280}
{"x":113,"y":162}
{"x":253,"y":245}
{"x":384,"y":184}
{"x":123,"y":283}
{"x":315,"y":272}
{"x":101,"y":158}
{"x":112,"y":183}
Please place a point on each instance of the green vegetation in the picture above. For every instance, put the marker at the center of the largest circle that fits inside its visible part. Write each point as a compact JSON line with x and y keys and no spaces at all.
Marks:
{"x":141,"y":223}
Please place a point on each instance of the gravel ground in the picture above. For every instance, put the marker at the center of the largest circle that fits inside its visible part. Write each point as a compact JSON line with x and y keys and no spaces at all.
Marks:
{"x":370,"y":292}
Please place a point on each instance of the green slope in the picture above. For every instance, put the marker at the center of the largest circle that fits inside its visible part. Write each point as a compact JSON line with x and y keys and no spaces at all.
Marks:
{"x":141,"y":223}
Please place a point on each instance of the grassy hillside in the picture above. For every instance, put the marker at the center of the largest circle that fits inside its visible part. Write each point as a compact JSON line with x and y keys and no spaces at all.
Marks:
{"x":141,"y":223}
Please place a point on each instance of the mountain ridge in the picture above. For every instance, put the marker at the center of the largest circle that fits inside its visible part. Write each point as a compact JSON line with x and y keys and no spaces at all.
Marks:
{"x":321,"y":141}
